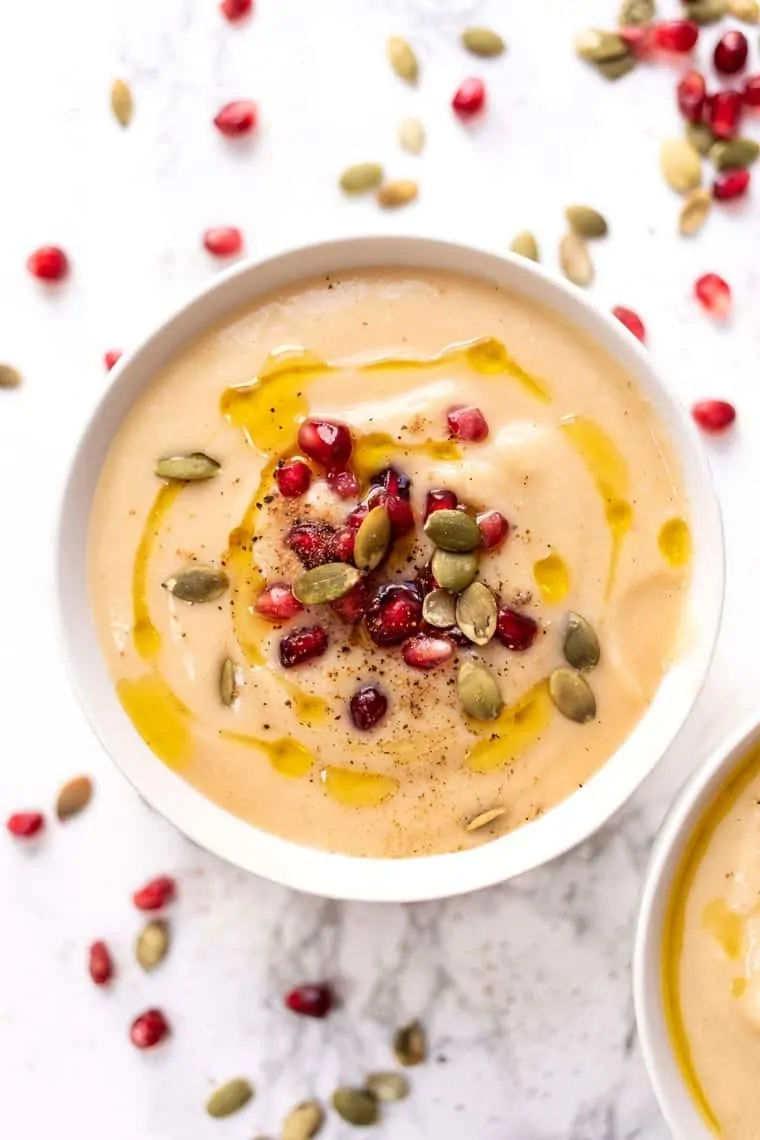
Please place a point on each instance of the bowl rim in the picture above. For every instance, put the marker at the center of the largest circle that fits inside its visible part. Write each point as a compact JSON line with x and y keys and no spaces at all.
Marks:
{"x":328,"y":873}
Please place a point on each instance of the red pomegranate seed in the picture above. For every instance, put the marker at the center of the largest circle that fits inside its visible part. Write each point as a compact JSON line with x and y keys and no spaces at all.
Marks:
{"x":326,"y":442}
{"x":691,"y":93}
{"x":515,"y":630}
{"x":302,"y":645}
{"x":368,"y":706}
{"x":100,"y":963}
{"x":752,"y":91}
{"x":342,"y":545}
{"x":112,"y":358}
{"x":237,"y":118}
{"x":730,"y":184}
{"x":731,"y":53}
{"x":25,"y":824}
{"x":277,"y":603}
{"x":48,"y":263}
{"x":343,"y":483}
{"x":713,"y":294}
{"x":401,"y":515}
{"x":724,"y":112}
{"x":223,"y":241}
{"x":469,"y":98}
{"x":494,"y":528}
{"x":234,"y":10}
{"x":639,"y":40}
{"x":394,"y":613}
{"x":311,"y":543}
{"x":155,"y":894}
{"x":467,"y":423}
{"x":149,"y":1029}
{"x":676,"y":35}
{"x":311,"y":1000}
{"x":714,"y":416}
{"x":631,"y":320}
{"x":426,"y":651}
{"x":293,"y":478}
{"x":439,"y":499}
{"x":393,"y":481}
{"x":352,"y":607}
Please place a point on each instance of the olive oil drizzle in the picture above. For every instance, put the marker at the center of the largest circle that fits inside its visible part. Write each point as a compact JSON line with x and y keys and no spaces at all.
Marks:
{"x":517,"y":727}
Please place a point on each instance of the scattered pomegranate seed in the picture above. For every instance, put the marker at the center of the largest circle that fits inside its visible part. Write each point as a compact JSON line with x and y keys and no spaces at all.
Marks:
{"x":731,"y":53}
{"x":100,"y":963}
{"x":149,"y":1029}
{"x":494,"y":528}
{"x":375,"y":497}
{"x":724,"y":112}
{"x":302,"y":645}
{"x":713,"y":294}
{"x":368,"y":706}
{"x":639,"y":40}
{"x":234,"y":10}
{"x":25,"y":824}
{"x":237,"y":118}
{"x":467,"y":423}
{"x":112,"y":358}
{"x":515,"y":630}
{"x":394,"y":613}
{"x":155,"y":894}
{"x":676,"y":35}
{"x":342,"y":545}
{"x":277,"y":603}
{"x":401,"y":515}
{"x":326,"y":442}
{"x":469,"y":98}
{"x":730,"y":184}
{"x":311,"y":543}
{"x":343,"y":483}
{"x":48,"y":263}
{"x":223,"y":241}
{"x":426,"y":651}
{"x":439,"y":499}
{"x":393,"y":481}
{"x":310,"y":1000}
{"x":631,"y":320}
{"x":752,"y":91}
{"x":691,"y":93}
{"x":293,"y":478}
{"x":352,"y":607}
{"x":713,"y":416}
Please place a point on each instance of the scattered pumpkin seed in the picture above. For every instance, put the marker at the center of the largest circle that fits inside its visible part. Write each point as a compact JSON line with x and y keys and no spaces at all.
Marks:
{"x":596,"y":46}
{"x":410,"y":1044}
{"x":746,"y":10}
{"x":733,"y":153}
{"x":325,"y":583}
{"x":411,"y":135}
{"x":680,"y":165}
{"x":694,"y":212}
{"x":575,"y":261}
{"x":586,"y":221}
{"x":10,"y":377}
{"x":700,"y":136}
{"x":399,"y":192}
{"x":477,"y":613}
{"x":572,"y":695}
{"x":485,"y":818}
{"x":439,"y":607}
{"x":634,"y":13}
{"x":228,"y":686}
{"x":361,"y":177}
{"x":479,"y":692}
{"x":152,"y":944}
{"x":198,"y":584}
{"x":372,"y":539}
{"x":387,"y":1087}
{"x":453,"y":530}
{"x":525,"y":245}
{"x":73,"y":797}
{"x":403,"y":59}
{"x":705,"y":11}
{"x":613,"y":69}
{"x":304,"y":1121}
{"x":356,"y":1106}
{"x":483,"y":42}
{"x":581,"y":644}
{"x":229,"y":1098}
{"x":122,"y":103}
{"x":187,"y":468}
{"x":454,"y":571}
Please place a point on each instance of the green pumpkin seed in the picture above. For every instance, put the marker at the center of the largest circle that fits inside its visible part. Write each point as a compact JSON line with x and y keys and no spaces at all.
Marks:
{"x":325,"y":583}
{"x":596,"y":46}
{"x":700,"y":136}
{"x":372,"y":539}
{"x":229,"y":1098}
{"x":479,"y":692}
{"x":410,"y":1044}
{"x":362,"y":177}
{"x":483,"y":42}
{"x":477,"y":613}
{"x":122,"y":103}
{"x":581,"y":645}
{"x":680,"y":164}
{"x":356,"y":1106}
{"x":10,"y":377}
{"x":453,"y":530}
{"x":454,"y":571}
{"x":575,"y":260}
{"x":485,"y":818}
{"x":634,"y":13}
{"x":402,"y":59}
{"x":586,"y":222}
{"x":694,"y":212}
{"x":572,"y":695}
{"x":734,"y":153}
{"x":304,"y":1121}
{"x":152,"y":944}
{"x":228,"y":686}
{"x":746,"y":10}
{"x":73,"y":797}
{"x":411,"y":136}
{"x":387,"y":1087}
{"x":613,"y":69}
{"x":705,"y":11}
{"x":439,"y":607}
{"x":198,"y":584}
{"x":187,"y":468}
{"x":526,"y":245}
{"x":400,"y":192}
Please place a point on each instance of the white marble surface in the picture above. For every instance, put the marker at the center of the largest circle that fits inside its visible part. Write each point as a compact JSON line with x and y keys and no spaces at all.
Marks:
{"x":525,"y":988}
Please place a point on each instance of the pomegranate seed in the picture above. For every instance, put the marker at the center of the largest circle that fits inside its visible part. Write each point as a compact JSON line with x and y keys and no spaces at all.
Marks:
{"x":311,"y":543}
{"x":425,"y":651}
{"x":752,"y":91}
{"x":149,"y":1029}
{"x":48,"y":263}
{"x":494,"y":528}
{"x":112,"y":358}
{"x":713,"y":294}
{"x":692,"y":92}
{"x":302,"y":645}
{"x":293,"y":478}
{"x":237,"y":118}
{"x":342,"y":545}
{"x":310,"y":1000}
{"x":155,"y":894}
{"x":401,"y":515}
{"x":639,"y":40}
{"x":223,"y":241}
{"x":352,"y":607}
{"x":343,"y":483}
{"x":515,"y":630}
{"x":469,"y":98}
{"x":724,"y":112}
{"x":631,"y":320}
{"x":277,"y":603}
{"x":100,"y":963}
{"x":234,"y":10}
{"x":467,"y":423}
{"x":714,"y":416}
{"x":25,"y":824}
{"x":326,"y":442}
{"x":439,"y":499}
{"x":375,"y":497}
{"x":730,"y":184}
{"x":393,"y":481}
{"x":394,"y":613}
{"x":676,"y":35}
{"x":459,"y":638}
{"x":731,"y":53}
{"x":368,"y":706}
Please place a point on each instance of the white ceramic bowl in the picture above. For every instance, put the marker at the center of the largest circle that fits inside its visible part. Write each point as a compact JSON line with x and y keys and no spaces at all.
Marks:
{"x":321,"y":872}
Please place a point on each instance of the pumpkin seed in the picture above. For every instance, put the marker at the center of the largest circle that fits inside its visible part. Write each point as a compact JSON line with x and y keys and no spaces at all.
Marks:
{"x":526,"y":245}
{"x":10,"y":377}
{"x":700,"y":136}
{"x":483,"y":42}
{"x":304,"y":1121}
{"x":198,"y":584}
{"x":705,"y":11}
{"x":362,"y":177}
{"x":410,"y":1044}
{"x":152,"y":944}
{"x":479,"y":692}
{"x":400,"y":192}
{"x":733,"y":153}
{"x":122,"y":103}
{"x":572,"y":695}
{"x":454,"y":571}
{"x":581,"y":645}
{"x":586,"y":222}
{"x":73,"y":797}
{"x":477,"y":613}
{"x":372,"y":539}
{"x":387,"y":1087}
{"x":325,"y":583}
{"x":228,"y":686}
{"x":187,"y":468}
{"x":694,"y":212}
{"x":229,"y":1098}
{"x":596,"y":46}
{"x":403,"y":59}
{"x":439,"y":607}
{"x":680,"y":164}
{"x":633,"y":13}
{"x":356,"y":1106}
{"x":485,"y":818}
{"x":411,"y":135}
{"x":575,"y":261}
{"x":746,"y":10}
{"x":453,"y":530}
{"x":616,"y":68}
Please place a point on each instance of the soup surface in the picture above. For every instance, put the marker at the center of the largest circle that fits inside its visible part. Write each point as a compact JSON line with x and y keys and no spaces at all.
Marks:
{"x":582,"y":555}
